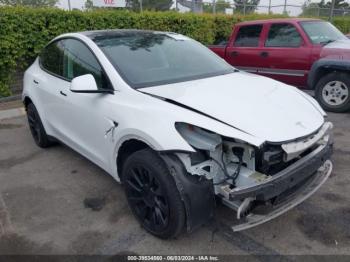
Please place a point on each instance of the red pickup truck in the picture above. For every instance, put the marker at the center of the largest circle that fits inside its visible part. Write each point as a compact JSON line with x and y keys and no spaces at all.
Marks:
{"x":307,"y":53}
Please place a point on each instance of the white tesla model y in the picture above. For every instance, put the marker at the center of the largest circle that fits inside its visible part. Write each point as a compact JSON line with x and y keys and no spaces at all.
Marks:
{"x":179,"y":127}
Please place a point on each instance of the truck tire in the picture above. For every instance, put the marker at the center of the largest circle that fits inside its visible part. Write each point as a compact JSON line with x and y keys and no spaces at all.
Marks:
{"x":36,"y":127}
{"x":152,"y":194}
{"x":333,"y":92}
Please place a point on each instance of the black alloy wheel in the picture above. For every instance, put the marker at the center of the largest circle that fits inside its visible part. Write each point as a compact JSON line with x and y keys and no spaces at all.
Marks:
{"x":36,"y":127}
{"x":153,"y":195}
{"x":148,"y":198}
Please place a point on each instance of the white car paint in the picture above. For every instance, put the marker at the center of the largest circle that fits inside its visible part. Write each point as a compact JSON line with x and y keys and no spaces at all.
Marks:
{"x":261,"y":109}
{"x":245,"y":111}
{"x":339,"y":44}
{"x":257,"y":105}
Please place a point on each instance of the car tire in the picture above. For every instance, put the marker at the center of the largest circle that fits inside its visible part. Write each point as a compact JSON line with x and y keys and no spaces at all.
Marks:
{"x":333,"y":92}
{"x":36,"y":127}
{"x":152,"y":194}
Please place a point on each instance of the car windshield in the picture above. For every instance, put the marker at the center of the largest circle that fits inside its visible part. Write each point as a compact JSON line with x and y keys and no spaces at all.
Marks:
{"x":146,"y":59}
{"x":321,"y":32}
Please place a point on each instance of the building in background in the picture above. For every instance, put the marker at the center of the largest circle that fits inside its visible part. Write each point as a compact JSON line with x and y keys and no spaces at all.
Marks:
{"x":109,"y":3}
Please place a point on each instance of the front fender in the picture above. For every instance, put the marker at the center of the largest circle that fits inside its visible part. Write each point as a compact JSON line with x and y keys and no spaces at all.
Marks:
{"x":197,"y":195}
{"x":157,"y":143}
{"x":325,"y":64}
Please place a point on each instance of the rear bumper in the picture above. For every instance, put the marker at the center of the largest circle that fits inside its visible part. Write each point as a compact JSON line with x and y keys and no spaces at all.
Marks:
{"x":288,"y":179}
{"x":298,"y":196}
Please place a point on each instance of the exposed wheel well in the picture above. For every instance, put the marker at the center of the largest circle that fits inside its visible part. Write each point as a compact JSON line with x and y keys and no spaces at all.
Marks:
{"x":27,"y":101}
{"x":127,"y":148}
{"x":321,"y":72}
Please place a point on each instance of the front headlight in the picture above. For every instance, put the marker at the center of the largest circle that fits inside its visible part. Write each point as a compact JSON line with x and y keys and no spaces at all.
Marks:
{"x":294,"y":149}
{"x":198,"y":137}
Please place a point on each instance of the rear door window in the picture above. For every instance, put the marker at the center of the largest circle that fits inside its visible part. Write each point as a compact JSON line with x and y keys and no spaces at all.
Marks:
{"x":283,"y":35}
{"x":248,"y":36}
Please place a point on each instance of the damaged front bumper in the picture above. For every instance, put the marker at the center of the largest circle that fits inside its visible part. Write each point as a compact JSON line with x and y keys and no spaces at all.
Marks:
{"x":258,"y":183}
{"x":284,"y":191}
{"x":288,"y":178}
{"x":297,"y":197}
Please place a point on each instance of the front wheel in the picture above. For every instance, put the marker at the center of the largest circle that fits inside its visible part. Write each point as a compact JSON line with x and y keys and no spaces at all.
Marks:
{"x":333,"y":92}
{"x":36,"y":127}
{"x":152,"y":194}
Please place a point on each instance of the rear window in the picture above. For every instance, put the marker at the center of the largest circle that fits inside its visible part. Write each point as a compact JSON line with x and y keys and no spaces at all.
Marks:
{"x":248,"y":36}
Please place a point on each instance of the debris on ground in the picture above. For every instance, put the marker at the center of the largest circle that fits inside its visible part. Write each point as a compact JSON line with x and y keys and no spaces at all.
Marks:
{"x":96,"y":204}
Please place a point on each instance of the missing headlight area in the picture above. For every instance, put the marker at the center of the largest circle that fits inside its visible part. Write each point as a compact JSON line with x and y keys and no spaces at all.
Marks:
{"x":247,"y":178}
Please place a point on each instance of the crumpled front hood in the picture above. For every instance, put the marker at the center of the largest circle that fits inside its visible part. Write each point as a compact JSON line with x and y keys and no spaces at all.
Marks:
{"x":256,"y":105}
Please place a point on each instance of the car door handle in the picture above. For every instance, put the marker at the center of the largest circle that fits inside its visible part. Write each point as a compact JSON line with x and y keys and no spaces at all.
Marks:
{"x":64,"y":94}
{"x":35,"y":82}
{"x":234,"y":53}
{"x":264,"y":54}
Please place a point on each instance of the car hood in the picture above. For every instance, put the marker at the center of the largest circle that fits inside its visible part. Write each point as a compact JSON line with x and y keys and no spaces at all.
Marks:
{"x":338,"y":50}
{"x":256,"y":105}
{"x":339,"y":44}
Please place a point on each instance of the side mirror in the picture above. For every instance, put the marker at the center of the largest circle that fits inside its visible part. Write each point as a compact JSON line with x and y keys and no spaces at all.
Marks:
{"x":86,"y":84}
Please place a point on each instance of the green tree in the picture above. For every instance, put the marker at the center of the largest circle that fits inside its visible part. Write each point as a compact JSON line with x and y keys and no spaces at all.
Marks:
{"x":89,"y":5}
{"x":250,"y":6}
{"x":321,"y":4}
{"x":32,"y":3}
{"x":156,"y":5}
{"x":322,"y":8}
{"x":220,"y":6}
{"x":338,"y":4}
{"x":310,"y":9}
{"x":328,"y":4}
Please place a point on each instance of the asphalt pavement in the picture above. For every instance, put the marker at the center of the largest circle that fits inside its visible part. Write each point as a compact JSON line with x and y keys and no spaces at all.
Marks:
{"x":43,"y":210}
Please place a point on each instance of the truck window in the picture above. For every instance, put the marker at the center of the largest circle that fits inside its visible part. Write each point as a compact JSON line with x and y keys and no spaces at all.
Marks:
{"x":283,"y":35}
{"x":248,"y":36}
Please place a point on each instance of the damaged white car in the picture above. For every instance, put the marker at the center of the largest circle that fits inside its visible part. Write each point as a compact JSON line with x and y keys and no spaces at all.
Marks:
{"x":179,"y":127}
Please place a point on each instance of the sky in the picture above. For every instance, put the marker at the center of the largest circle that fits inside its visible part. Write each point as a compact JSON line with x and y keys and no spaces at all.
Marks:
{"x":292,"y":10}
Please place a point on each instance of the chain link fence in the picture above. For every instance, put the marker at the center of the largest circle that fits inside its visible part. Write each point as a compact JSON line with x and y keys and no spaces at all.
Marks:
{"x":228,"y":7}
{"x":287,"y":7}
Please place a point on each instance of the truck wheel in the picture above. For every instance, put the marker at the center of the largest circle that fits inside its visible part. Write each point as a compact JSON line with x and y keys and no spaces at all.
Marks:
{"x":36,"y":127}
{"x":152,"y":194}
{"x":333,"y":92}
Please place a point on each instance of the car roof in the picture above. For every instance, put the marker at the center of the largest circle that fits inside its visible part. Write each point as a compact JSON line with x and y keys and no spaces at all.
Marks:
{"x":277,"y":20}
{"x":118,"y":32}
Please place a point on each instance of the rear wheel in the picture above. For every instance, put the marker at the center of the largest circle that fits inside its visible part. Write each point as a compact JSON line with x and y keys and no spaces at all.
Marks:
{"x":36,"y":127}
{"x":152,"y":194}
{"x":333,"y":92}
